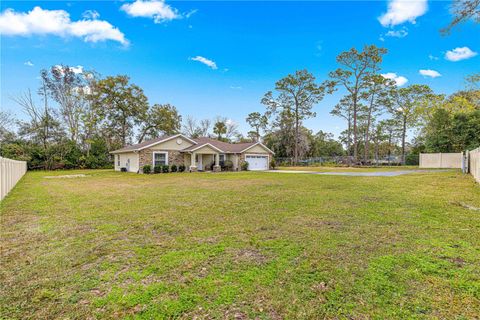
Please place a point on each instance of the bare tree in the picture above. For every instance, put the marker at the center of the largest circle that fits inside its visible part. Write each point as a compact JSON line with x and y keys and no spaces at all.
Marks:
{"x":462,"y":11}
{"x":66,"y":88}
{"x":195,"y":129}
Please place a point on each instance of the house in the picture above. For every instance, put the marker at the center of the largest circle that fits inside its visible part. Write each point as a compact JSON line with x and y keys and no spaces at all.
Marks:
{"x":196,"y":154}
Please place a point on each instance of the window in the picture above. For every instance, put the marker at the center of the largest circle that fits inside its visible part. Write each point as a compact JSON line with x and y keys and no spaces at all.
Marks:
{"x":118,"y":160}
{"x":221,"y":158}
{"x":160,"y":158}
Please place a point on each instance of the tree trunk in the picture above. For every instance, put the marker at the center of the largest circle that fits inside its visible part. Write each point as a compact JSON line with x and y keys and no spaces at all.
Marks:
{"x":355,"y":144}
{"x":297,"y":120}
{"x":349,"y":139}
{"x":367,"y":133}
{"x":404,"y":133}
{"x":389,"y":146}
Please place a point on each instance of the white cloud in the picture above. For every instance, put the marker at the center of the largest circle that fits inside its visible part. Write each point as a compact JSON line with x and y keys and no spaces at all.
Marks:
{"x":402,"y":33}
{"x":28,"y":63}
{"x":91,"y":14}
{"x":76,"y":70}
{"x":401,"y":11}
{"x":429,"y":73}
{"x":205,"y":61}
{"x":458,"y":54}
{"x":190,"y":13}
{"x":399,"y":80}
{"x":432,"y":57}
{"x":158,"y":10}
{"x":57,"y":22}
{"x":236,"y":87}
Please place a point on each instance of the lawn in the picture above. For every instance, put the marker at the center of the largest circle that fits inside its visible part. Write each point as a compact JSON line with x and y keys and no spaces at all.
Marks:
{"x":240,"y":245}
{"x":348,"y":169}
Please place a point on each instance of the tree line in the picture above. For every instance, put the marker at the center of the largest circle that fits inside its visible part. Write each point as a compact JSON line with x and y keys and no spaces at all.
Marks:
{"x":73,"y":120}
{"x":379,"y":115}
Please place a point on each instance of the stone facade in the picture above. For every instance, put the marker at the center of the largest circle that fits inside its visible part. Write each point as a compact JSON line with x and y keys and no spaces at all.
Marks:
{"x":179,"y":158}
{"x":174,"y":157}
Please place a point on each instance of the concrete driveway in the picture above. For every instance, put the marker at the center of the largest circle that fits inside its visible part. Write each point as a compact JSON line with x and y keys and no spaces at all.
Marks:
{"x":359,"y":174}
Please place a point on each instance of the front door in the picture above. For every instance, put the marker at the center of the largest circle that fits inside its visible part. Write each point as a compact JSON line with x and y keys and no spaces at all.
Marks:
{"x":198,"y":162}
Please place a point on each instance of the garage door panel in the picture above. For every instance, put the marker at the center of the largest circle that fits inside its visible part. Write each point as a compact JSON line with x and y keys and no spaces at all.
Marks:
{"x":257,"y":162}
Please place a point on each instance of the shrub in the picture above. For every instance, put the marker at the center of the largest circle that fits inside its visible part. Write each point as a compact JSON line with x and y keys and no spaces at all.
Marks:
{"x":165,"y":168}
{"x":157,"y":169}
{"x":147,"y":168}
{"x":173,"y":168}
{"x":273,"y":164}
{"x":227,"y":165}
{"x":181,"y":168}
{"x":244,"y":166}
{"x":123,"y":169}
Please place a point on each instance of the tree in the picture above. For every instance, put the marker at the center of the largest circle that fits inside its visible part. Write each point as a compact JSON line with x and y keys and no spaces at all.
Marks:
{"x":473,"y":81}
{"x":377,"y":94}
{"x":324,"y":145}
{"x":388,"y":129}
{"x":123,"y":105}
{"x":258,"y":122}
{"x":160,"y":119}
{"x":6,"y":122}
{"x":232,"y":132}
{"x":42,"y":127}
{"x":220,"y":128}
{"x":343,"y":110}
{"x":447,"y":132}
{"x":354,"y":76}
{"x":298,"y":93}
{"x":66,"y":87}
{"x":405,"y":107}
{"x":439,"y":132}
{"x":463,"y":10}
{"x":193,"y":129}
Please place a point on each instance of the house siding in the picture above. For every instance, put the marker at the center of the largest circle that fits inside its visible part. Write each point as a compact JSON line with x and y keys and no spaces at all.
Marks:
{"x":124,"y":157}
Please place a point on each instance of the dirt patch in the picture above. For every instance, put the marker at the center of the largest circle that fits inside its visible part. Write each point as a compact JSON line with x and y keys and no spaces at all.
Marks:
{"x":235,"y":315}
{"x":249,"y":255}
{"x":317,"y":223}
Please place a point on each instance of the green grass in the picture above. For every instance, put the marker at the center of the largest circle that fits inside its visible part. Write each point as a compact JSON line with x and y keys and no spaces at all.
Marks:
{"x":348,"y":169}
{"x":240,"y":245}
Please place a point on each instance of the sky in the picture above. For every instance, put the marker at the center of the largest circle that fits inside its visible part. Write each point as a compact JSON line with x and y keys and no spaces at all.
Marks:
{"x":220,"y":57}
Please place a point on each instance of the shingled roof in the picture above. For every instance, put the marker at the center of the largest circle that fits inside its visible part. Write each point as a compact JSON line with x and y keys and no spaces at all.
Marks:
{"x":223,"y":146}
{"x":199,"y":142}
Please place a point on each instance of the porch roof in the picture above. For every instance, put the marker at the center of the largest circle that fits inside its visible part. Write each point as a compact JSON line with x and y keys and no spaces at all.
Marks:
{"x":220,"y":146}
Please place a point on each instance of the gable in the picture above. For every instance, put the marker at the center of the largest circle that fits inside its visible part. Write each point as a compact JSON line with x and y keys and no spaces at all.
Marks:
{"x":173,"y":144}
{"x":206,"y":149}
{"x":257,"y":149}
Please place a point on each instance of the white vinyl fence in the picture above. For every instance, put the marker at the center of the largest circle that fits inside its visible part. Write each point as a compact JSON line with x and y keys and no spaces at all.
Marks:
{"x":441,"y":160}
{"x":474,"y":163}
{"x":10,"y":172}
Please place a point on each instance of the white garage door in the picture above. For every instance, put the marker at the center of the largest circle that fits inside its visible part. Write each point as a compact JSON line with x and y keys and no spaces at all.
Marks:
{"x":257,"y":162}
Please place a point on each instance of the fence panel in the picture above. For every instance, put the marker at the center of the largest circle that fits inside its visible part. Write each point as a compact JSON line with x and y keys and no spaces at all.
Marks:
{"x":474,"y":164}
{"x":10,"y":172}
{"x":441,"y":160}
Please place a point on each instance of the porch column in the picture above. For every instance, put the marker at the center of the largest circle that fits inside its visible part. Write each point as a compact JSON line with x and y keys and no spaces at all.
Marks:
{"x":216,"y":167}
{"x":193,"y":165}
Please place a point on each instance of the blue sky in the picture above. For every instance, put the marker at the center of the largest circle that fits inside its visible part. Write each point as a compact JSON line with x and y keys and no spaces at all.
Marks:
{"x":246,"y":46}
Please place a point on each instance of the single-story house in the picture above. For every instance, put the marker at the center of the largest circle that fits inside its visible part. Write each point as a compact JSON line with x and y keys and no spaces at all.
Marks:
{"x":196,"y":154}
